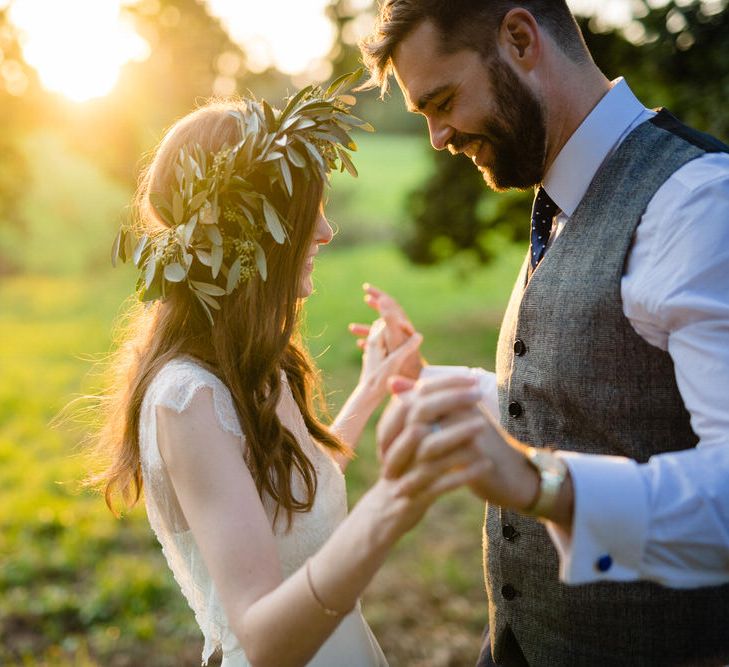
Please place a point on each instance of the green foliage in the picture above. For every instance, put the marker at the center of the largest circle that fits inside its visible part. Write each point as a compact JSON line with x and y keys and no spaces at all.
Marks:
{"x":452,"y":213}
{"x":69,"y":208}
{"x":17,"y":96}
{"x":215,"y":216}
{"x":681,"y":60}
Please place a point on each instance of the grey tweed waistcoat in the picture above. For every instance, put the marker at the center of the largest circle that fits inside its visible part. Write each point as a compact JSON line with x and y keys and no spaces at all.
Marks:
{"x":585,"y":381}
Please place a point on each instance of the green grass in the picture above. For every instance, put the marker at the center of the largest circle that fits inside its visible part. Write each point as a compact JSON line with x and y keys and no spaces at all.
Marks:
{"x":370,"y":207}
{"x":70,"y":210}
{"x":78,"y":587}
{"x":73,"y":579}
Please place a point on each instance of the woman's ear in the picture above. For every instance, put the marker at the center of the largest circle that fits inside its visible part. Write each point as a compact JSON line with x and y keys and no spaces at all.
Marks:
{"x":520,"y":39}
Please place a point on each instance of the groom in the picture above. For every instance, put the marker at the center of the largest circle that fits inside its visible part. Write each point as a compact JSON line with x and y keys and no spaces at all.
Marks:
{"x":613,"y":350}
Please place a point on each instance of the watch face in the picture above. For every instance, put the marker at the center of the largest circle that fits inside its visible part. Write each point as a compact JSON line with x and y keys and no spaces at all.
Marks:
{"x":548,"y":464}
{"x":547,"y":461}
{"x":552,"y":465}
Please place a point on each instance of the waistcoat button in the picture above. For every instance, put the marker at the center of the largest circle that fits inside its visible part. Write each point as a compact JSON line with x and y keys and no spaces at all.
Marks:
{"x":519,"y":347}
{"x":509,"y":532}
{"x":508,"y":592}
{"x":515,"y":409}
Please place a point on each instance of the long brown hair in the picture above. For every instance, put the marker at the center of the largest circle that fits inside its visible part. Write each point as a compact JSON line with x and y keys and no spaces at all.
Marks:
{"x":254,"y":337}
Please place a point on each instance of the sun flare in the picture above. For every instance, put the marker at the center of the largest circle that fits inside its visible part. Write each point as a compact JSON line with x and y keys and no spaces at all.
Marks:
{"x":288,"y":35}
{"x":77,"y":46}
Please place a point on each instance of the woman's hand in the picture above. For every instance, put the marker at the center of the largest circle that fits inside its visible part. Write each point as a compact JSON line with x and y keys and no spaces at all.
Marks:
{"x":424,"y":461}
{"x":438,"y":432}
{"x":380,"y":363}
{"x":398,"y":328}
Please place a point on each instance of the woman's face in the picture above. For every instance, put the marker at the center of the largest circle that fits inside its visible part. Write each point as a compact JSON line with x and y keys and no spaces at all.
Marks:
{"x":322,"y":235}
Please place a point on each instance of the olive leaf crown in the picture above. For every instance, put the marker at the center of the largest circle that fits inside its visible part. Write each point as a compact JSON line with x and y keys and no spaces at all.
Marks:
{"x":215,"y":215}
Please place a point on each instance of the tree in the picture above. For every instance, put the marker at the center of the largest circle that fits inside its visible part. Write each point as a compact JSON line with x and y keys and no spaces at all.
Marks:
{"x":351,"y":20}
{"x":465,"y":219}
{"x":18,"y":87}
{"x":191,"y":58}
{"x":679,"y":57}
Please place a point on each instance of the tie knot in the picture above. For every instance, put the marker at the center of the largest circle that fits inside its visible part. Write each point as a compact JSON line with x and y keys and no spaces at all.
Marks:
{"x":544,"y":206}
{"x":543,"y":212}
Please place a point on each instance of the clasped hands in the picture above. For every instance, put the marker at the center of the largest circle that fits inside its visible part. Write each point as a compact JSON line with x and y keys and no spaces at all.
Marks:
{"x":436,"y":434}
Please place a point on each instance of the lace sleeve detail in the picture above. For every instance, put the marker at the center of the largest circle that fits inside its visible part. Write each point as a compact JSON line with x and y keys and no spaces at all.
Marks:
{"x":178,"y":382}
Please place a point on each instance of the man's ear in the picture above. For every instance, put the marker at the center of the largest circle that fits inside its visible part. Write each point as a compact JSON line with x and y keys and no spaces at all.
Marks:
{"x":520,"y":39}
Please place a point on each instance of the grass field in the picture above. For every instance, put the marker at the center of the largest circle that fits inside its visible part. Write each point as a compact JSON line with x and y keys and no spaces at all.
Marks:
{"x":370,"y":206}
{"x":78,"y":587}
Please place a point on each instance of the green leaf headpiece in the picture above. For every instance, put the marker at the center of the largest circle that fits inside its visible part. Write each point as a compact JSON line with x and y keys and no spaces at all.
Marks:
{"x":216,"y":217}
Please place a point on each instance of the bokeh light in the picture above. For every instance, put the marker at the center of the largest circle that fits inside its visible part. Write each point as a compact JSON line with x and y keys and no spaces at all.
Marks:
{"x":293,"y":37}
{"x":77,"y":46}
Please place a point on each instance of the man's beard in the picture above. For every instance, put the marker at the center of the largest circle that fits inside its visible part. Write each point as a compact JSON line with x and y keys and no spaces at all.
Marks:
{"x":515,"y":133}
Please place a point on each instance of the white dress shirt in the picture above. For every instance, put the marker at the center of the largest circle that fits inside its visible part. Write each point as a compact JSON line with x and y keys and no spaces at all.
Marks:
{"x":666,"y":520}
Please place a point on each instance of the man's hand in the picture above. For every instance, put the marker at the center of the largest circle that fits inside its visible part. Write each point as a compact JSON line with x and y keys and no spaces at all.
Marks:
{"x":441,"y":418}
{"x":419,"y":414}
{"x":414,"y":408}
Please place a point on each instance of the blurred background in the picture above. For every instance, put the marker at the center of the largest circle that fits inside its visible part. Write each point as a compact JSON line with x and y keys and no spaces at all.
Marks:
{"x":86,"y":90}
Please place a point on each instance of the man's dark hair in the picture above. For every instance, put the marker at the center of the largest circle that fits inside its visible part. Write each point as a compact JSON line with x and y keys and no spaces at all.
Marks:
{"x":462,"y":24}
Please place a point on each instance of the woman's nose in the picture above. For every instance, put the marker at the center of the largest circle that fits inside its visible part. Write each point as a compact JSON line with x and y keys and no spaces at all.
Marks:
{"x":323,"y":233}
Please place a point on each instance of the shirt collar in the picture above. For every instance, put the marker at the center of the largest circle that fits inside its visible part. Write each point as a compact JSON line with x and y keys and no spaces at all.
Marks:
{"x":606,"y":125}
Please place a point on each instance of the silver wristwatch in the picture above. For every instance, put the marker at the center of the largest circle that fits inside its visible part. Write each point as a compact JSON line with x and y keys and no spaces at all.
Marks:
{"x":552,"y":472}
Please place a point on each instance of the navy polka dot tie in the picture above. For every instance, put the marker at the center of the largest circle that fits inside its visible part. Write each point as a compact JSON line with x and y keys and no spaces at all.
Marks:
{"x":543,"y":212}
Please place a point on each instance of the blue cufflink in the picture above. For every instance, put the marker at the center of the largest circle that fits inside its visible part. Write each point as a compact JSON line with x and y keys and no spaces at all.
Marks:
{"x":604,"y":563}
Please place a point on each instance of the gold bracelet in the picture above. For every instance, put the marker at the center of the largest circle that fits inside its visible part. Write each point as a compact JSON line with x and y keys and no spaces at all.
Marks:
{"x":324,"y":608}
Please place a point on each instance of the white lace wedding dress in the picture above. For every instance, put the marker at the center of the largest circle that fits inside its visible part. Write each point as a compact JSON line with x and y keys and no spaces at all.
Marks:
{"x":352,"y":643}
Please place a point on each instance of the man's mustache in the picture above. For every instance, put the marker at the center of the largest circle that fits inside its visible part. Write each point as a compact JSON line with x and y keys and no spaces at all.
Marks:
{"x":460,"y":140}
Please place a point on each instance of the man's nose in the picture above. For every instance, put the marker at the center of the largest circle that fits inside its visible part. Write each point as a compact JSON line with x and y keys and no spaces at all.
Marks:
{"x":440,"y":133}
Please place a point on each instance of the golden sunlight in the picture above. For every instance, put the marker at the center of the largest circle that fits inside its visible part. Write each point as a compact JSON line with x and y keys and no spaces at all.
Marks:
{"x":615,"y":13}
{"x":292,"y":36}
{"x":77,"y":46}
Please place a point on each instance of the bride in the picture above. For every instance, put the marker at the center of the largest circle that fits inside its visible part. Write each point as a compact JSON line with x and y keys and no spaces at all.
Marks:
{"x":213,"y":408}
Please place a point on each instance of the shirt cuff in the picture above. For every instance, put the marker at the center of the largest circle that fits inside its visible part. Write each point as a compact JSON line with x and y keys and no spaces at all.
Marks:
{"x":486,"y":382}
{"x":610,"y":520}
